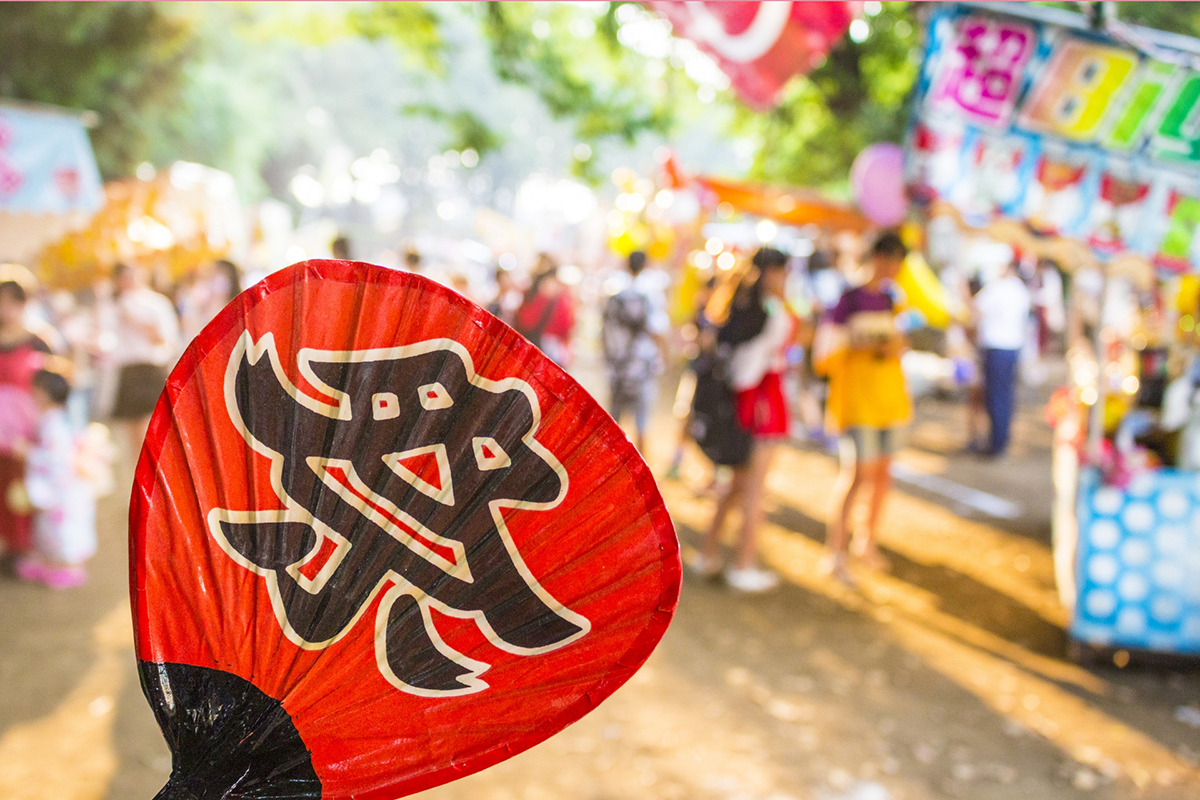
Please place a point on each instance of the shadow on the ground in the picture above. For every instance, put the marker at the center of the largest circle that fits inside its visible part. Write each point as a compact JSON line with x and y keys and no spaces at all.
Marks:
{"x":993,"y":611}
{"x":869,"y":688}
{"x":1032,"y":524}
{"x":959,"y":595}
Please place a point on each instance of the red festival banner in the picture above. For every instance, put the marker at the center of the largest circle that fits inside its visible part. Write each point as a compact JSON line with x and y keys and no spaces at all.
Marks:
{"x":760,"y":45}
{"x":379,"y":542}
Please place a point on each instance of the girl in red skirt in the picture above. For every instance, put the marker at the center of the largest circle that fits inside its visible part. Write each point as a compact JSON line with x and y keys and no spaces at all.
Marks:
{"x":760,"y":327}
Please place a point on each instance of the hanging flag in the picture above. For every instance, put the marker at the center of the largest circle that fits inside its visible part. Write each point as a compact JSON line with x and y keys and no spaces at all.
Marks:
{"x":380,"y":542}
{"x":46,"y":163}
{"x":760,"y":45}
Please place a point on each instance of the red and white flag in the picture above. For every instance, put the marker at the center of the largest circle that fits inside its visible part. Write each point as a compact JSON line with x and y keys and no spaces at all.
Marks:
{"x":760,"y":45}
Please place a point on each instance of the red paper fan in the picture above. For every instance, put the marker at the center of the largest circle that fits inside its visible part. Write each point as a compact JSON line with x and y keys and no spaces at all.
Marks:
{"x":380,"y":542}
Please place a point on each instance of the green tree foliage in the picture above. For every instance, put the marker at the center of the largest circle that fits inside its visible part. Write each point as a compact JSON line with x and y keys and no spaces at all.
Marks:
{"x":121,"y":60}
{"x":413,"y":26}
{"x":213,"y":82}
{"x":467,"y":131}
{"x":592,"y":80}
{"x":232,"y":84}
{"x":857,"y":96}
{"x":1183,"y":18}
{"x":417,"y":30}
{"x":580,"y":74}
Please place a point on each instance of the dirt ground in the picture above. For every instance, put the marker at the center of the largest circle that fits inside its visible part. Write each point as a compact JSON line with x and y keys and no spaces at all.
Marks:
{"x":945,"y":678}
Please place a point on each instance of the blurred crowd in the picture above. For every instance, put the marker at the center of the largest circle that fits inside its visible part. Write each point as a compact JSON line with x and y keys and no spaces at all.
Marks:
{"x":68,"y":360}
{"x":76,"y":365}
{"x":772,"y":347}
{"x":823,"y":347}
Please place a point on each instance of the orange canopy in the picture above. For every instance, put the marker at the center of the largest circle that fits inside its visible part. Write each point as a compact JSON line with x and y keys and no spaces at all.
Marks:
{"x":792,"y":206}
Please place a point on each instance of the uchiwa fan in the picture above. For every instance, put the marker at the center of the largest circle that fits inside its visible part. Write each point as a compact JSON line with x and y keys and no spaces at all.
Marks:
{"x":380,"y":542}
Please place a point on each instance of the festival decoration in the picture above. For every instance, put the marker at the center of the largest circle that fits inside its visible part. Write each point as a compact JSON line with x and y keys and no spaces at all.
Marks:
{"x":760,"y":45}
{"x":793,"y":206}
{"x":788,"y":205}
{"x":923,"y":291}
{"x":46,"y":162}
{"x":49,"y":183}
{"x":877,"y":180}
{"x":380,"y":542}
{"x":185,"y":216}
{"x":1070,"y":130}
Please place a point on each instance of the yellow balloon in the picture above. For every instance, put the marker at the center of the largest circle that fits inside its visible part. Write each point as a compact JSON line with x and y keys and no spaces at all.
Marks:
{"x":1188,"y":299}
{"x":1115,"y":407}
{"x":623,"y":245}
{"x":924,"y":291}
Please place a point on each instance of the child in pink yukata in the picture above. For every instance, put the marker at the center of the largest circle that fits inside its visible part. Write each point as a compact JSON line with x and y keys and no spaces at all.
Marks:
{"x":64,"y":505}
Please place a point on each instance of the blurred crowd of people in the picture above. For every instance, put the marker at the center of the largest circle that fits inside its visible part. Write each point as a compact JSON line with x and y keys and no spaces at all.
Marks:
{"x":68,"y":360}
{"x":822,"y":339}
{"x":819,"y":338}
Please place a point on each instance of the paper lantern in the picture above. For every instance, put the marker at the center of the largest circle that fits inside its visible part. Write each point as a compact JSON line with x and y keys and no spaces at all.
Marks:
{"x":379,"y":542}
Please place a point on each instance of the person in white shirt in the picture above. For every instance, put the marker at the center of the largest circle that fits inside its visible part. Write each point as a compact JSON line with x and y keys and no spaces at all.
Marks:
{"x":147,"y":342}
{"x":1002,"y":323}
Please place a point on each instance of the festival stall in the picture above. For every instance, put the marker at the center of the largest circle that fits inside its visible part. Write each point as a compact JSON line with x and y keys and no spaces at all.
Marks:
{"x":1074,"y":139}
{"x":49,"y":183}
{"x":172,"y":222}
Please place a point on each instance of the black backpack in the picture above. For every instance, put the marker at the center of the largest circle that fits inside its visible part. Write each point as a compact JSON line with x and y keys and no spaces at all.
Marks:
{"x":713,"y":424}
{"x":747,"y":317}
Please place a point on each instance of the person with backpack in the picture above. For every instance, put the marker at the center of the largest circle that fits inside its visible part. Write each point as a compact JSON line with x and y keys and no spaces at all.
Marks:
{"x":757,"y":333}
{"x":632,"y":328}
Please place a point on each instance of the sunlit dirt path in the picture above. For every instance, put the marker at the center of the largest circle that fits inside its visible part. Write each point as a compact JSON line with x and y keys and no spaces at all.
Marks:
{"x":945,"y":678}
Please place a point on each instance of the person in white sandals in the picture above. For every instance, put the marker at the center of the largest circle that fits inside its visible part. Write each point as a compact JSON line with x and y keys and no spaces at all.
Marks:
{"x":760,"y":327}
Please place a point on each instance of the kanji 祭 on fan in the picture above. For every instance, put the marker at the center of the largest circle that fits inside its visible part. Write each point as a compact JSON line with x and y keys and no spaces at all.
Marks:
{"x":385,"y":547}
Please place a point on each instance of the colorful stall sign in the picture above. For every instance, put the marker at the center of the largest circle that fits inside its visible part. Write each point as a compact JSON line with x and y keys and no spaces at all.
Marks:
{"x":760,"y":45}
{"x":1069,"y":130}
{"x":46,"y":163}
{"x":380,"y":542}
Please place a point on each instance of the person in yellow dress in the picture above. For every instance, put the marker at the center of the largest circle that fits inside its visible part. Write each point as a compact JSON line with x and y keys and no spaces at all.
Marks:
{"x":868,"y":404}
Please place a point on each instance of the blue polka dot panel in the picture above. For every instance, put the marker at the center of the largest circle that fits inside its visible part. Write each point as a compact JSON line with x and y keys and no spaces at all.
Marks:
{"x":1137,"y":565}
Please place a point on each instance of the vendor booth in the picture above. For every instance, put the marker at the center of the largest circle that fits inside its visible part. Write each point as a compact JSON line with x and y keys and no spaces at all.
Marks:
{"x":1073,"y":140}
